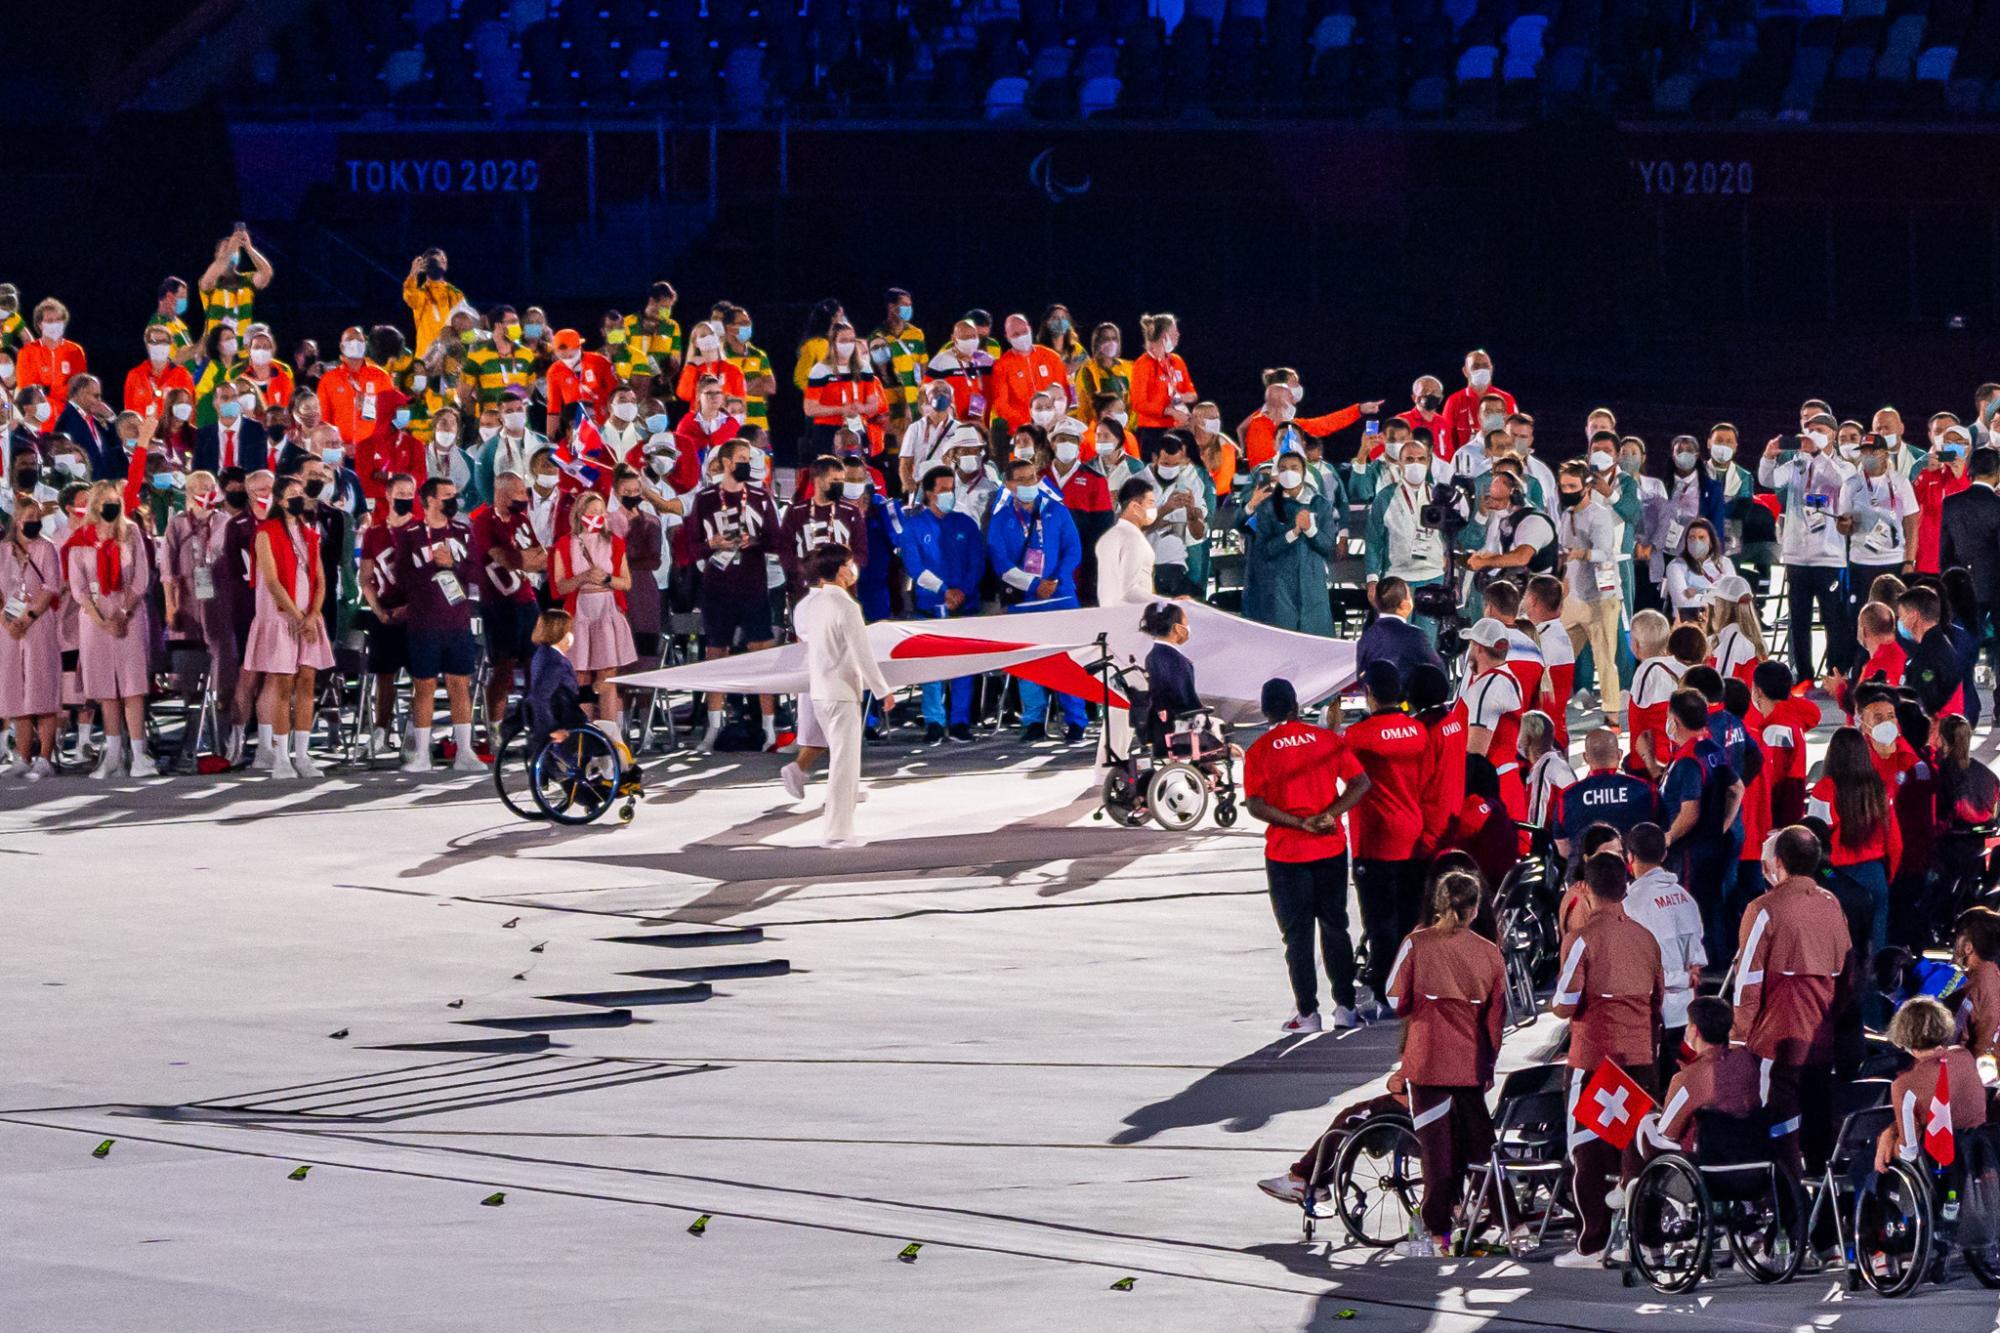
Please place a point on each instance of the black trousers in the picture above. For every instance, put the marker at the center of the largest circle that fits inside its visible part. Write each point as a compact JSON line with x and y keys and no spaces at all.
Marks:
{"x":1391,"y":894}
{"x":1305,"y":894}
{"x":1809,"y":584}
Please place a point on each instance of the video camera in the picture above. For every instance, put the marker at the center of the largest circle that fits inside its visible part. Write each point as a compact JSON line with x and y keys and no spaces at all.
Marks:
{"x":1446,"y":515}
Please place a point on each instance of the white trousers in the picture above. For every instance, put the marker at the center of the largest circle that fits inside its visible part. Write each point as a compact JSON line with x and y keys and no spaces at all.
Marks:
{"x":840,"y":720}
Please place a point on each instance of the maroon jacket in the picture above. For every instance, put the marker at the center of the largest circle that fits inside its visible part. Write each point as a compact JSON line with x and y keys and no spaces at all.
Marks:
{"x":1795,"y":973}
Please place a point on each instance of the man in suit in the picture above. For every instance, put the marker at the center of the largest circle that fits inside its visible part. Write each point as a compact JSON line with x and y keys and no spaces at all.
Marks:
{"x":87,"y":420}
{"x":1392,"y":638}
{"x":235,"y":440}
{"x":1970,"y":536}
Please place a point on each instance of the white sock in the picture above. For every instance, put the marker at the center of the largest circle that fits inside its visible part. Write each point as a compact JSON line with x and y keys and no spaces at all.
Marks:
{"x":714,"y":721}
{"x":461,"y":736}
{"x":113,"y":749}
{"x":610,"y":726}
{"x":300,"y":741}
{"x":264,"y":735}
{"x":770,"y":727}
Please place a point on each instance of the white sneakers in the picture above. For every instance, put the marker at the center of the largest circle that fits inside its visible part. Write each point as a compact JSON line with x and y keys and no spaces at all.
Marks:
{"x":302,"y":762}
{"x":467,"y":760}
{"x":1345,"y":1019}
{"x":281,"y":764}
{"x":1578,"y":1259}
{"x":1292,"y":1190}
{"x":1303,"y":1023}
{"x":142,"y":763}
{"x":38,"y":770}
{"x":113,"y":762}
{"x":794,"y":779}
{"x":418,"y":760}
{"x":232,"y":752}
{"x":378,"y":742}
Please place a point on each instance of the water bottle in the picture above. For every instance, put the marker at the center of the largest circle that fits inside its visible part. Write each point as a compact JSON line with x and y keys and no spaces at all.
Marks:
{"x":1420,"y":1243}
{"x":1951,"y":1205}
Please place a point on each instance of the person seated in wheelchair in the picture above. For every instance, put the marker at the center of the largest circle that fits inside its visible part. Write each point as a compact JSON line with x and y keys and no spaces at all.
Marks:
{"x":1716,"y":1077}
{"x":1924,"y":1028}
{"x":1170,"y":688}
{"x":549,"y":707}
{"x":1317,"y":1163}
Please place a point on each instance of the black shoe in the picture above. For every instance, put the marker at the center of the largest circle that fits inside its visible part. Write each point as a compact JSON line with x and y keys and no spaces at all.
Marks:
{"x":1030,"y":735}
{"x":933,"y":734}
{"x":1073,"y":734}
{"x":874,"y":733}
{"x":961,"y":731}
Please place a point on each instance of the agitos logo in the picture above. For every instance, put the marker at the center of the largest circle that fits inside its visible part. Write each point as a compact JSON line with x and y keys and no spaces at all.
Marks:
{"x":1042,"y":175}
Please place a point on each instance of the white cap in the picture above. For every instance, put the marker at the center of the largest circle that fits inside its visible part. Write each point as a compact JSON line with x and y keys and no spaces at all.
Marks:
{"x":1733,"y":588}
{"x":1068,"y":428}
{"x":965,"y":435}
{"x":1488,"y":633}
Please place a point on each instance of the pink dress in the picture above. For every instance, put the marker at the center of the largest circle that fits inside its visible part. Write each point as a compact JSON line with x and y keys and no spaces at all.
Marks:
{"x":110,"y":667}
{"x":275,"y":647}
{"x":603,"y":635}
{"x":31,"y":666}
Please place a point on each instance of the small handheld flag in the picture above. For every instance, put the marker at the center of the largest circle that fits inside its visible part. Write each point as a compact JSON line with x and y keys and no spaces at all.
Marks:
{"x":1939,"y":1141}
{"x":1612,"y":1104}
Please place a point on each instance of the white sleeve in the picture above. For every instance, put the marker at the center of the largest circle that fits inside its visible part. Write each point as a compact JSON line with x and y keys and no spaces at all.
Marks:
{"x":1780,"y":737}
{"x":1494,"y":697}
{"x":1017,"y":578}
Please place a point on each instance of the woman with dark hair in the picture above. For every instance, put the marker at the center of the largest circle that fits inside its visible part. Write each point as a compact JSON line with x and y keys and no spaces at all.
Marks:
{"x":1058,"y":333}
{"x":813,"y":339}
{"x":1169,"y":675}
{"x":1864,"y":843}
{"x":288,"y":645}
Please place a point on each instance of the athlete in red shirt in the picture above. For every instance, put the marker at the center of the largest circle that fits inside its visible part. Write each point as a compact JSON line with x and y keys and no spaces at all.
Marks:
{"x":1394,"y":750}
{"x":1493,"y":707}
{"x":1444,"y":768}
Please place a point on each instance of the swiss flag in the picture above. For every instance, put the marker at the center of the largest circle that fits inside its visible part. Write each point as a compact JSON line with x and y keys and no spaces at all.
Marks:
{"x":1611,"y":1105}
{"x":1938,"y":1140}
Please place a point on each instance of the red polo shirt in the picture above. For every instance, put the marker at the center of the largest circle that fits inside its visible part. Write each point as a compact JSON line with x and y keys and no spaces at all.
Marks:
{"x":1394,"y":751}
{"x":1297,"y":768}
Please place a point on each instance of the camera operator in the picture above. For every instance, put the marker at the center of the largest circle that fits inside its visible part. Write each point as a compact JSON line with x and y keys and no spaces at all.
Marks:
{"x":1510,"y":534}
{"x":1400,"y":543}
{"x":1809,"y":477}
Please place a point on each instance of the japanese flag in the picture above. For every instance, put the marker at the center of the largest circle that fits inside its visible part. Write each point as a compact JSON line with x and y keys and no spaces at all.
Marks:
{"x":1938,"y":1141}
{"x":1611,"y":1105}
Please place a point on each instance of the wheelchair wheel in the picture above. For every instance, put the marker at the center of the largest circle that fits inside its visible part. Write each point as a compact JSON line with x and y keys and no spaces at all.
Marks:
{"x":1768,"y":1236}
{"x":1178,"y":795}
{"x":1666,"y":1213}
{"x":1225,"y":814}
{"x":1378,"y":1181}
{"x":511,"y":778}
{"x":1894,"y":1231}
{"x":1122,"y":798}
{"x":576,"y":779}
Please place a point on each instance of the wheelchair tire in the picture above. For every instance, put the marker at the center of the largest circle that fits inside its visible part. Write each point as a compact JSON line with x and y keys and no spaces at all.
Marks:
{"x":1225,"y":814}
{"x":1378,"y":1181}
{"x":1178,"y":796}
{"x":1666,"y":1218}
{"x":1894,"y":1232}
{"x":511,"y":778}
{"x":1771,"y":1247}
{"x":575,"y":780}
{"x":1122,"y":799}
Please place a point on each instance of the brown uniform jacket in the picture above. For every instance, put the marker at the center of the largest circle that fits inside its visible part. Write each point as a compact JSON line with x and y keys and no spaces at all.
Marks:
{"x":1979,"y":1010}
{"x":1724,"y":1080}
{"x":1910,"y":1096}
{"x":1611,"y":988}
{"x":1795,"y":973}
{"x":1450,"y":987}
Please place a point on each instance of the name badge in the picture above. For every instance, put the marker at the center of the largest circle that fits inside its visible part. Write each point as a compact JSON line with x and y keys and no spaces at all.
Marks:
{"x":204,"y":583}
{"x":368,"y":406}
{"x":1033,"y":562}
{"x":1885,"y":538}
{"x":1607,"y":578}
{"x":448,"y":584}
{"x":16,"y":608}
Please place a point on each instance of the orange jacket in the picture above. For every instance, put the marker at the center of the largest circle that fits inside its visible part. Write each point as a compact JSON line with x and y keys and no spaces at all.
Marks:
{"x":1156,"y":387}
{"x":353,"y":401}
{"x":1019,"y":376}
{"x":1260,"y":433}
{"x":692,"y":376}
{"x":591,"y":383}
{"x":52,"y":368}
{"x":145,"y":394}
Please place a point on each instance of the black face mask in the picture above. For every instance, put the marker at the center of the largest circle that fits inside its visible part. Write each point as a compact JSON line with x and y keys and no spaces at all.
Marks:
{"x":110,"y":512}
{"x":1569,"y":499}
{"x":448,"y":507}
{"x":741,"y":472}
{"x":236,"y":499}
{"x":25,"y":480}
{"x":31,"y":528}
{"x":314,"y":487}
{"x":1431,"y":402}
{"x":403,"y":508}
{"x":295,"y":505}
{"x":630,"y":501}
{"x":517,"y":508}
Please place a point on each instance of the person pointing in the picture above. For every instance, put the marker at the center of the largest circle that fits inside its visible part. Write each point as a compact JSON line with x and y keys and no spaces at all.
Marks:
{"x":840,"y":667}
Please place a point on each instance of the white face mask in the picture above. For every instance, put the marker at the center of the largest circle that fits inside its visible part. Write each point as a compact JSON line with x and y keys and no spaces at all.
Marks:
{"x":157,"y":353}
{"x":515,"y":422}
{"x":1020,"y":342}
{"x":227,"y":347}
{"x":53,"y":328}
{"x":43,"y":410}
{"x":1416,"y":474}
{"x":182,"y":411}
{"x":1109,"y":351}
{"x":1602,"y":461}
{"x":1066,"y":452}
{"x":1167,"y":471}
{"x":1819,"y":438}
{"x":708,"y":344}
{"x":965,"y":346}
{"x":352,"y":349}
{"x":444,"y":439}
{"x":854,"y":490}
{"x":1884,"y":733}
{"x":968,"y":463}
{"x":1685,"y":459}
{"x":1720,"y":454}
{"x":1042,"y":416}
{"x":1291,"y":480}
{"x":1208,"y":425}
{"x":261,"y":356}
{"x":1890,"y":438}
{"x":844,"y":348}
{"x":660,"y":464}
{"x":1698,"y":548}
{"x":545,"y":481}
{"x":625,"y":411}
{"x":417,"y":383}
{"x":488,"y":432}
{"x":1480,"y":378}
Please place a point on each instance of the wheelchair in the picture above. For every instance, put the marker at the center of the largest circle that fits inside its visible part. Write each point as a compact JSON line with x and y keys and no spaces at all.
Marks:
{"x":1525,"y":908}
{"x":1377,"y":1182}
{"x":1734,"y":1184}
{"x":1905,"y":1220}
{"x":1524,"y":1178}
{"x":572,"y":781}
{"x":1173,"y":767}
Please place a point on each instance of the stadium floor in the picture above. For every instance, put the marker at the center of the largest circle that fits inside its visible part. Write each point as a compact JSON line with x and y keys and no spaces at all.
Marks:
{"x":1044,"y":1048}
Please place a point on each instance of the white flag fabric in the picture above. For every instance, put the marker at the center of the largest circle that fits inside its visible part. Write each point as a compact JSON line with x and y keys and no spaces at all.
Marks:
{"x":1232,"y":657}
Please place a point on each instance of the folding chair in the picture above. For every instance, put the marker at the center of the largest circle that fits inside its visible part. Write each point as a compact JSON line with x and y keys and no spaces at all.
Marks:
{"x":1530,"y":1148}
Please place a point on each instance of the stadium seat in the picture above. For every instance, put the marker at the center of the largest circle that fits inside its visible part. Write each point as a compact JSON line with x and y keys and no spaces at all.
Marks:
{"x":1569,"y":69}
{"x":1098,"y":96}
{"x":427,"y":14}
{"x":1099,"y":62}
{"x":401,"y":70}
{"x":646,"y":79}
{"x":1335,"y":32}
{"x":1007,"y":99}
{"x":1478,"y":63}
{"x":1458,"y":11}
{"x":1934,"y":65}
{"x":1674,"y":95}
{"x":1427,"y":96}
{"x":744,"y":90}
{"x":525,"y":14}
{"x":1525,"y":34}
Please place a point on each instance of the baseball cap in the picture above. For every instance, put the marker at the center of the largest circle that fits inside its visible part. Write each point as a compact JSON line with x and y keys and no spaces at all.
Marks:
{"x":1733,"y":588}
{"x":1488,"y":633}
{"x":568,"y":340}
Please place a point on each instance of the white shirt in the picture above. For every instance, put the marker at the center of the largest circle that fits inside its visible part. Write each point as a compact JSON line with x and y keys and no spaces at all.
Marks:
{"x":1657,"y":901}
{"x":924,"y":442}
{"x":840,"y":663}
{"x":1170,"y":540}
{"x":1124,"y":565}
{"x":1878,"y":506}
{"x":1810,"y":536}
{"x":1689,"y":583}
{"x":1590,"y":526}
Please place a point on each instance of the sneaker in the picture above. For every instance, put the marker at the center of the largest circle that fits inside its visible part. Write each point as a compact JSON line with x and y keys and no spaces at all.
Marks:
{"x":933,"y":734}
{"x":1285,"y":1189}
{"x":1303,"y":1022}
{"x":1615,"y":1200}
{"x":1073,"y":734}
{"x":419,"y":760}
{"x":467,"y":760}
{"x":233,"y":751}
{"x":1578,"y":1259}
{"x":794,"y":779}
{"x":707,"y":745}
{"x":961,"y":731}
{"x":38,"y":770}
{"x":1423,"y":1247}
{"x":1585,"y":700}
{"x":113,"y":762}
{"x":378,"y":742}
{"x":143,"y":765}
{"x":1345,"y":1019}
{"x":1029,"y":735}
{"x":281,"y":767}
{"x":832,"y":843}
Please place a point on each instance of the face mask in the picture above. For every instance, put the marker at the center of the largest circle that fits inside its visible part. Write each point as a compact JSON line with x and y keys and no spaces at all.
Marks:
{"x":1698,"y":548}
{"x":402,"y":418}
{"x":741,"y":472}
{"x":903,"y":312}
{"x":402,"y":507}
{"x":226,"y":346}
{"x":70,"y":464}
{"x":593,"y":522}
{"x":353,"y":349}
{"x":261,"y":357}
{"x":333,"y":457}
{"x":743,"y":334}
{"x":532,"y":332}
{"x":1884,"y":733}
{"x":632,"y":502}
{"x":236,"y":499}
{"x":1167,"y":471}
{"x":110,"y":512}
{"x":53,"y":329}
{"x":43,"y":411}
{"x":183,"y":411}
{"x":1026,"y":494}
{"x":1042,"y":416}
{"x":1066,"y":452}
{"x":709,"y":344}
{"x":660,"y":464}
{"x":625,"y":411}
{"x":1684,"y":460}
{"x":1291,"y":480}
{"x":570,"y":358}
{"x":1819,"y":438}
{"x":444,"y":439}
{"x":1480,"y":378}
{"x":844,"y":348}
{"x":260,"y":504}
{"x":1415,"y":474}
{"x":1493,"y":420}
{"x":1116,"y":418}
{"x":295,"y":505}
{"x":1890,"y":438}
{"x":1875,"y":464}
{"x":448,"y":507}
{"x":1601,"y":461}
{"x":488,"y":432}
{"x":157,"y":353}
{"x":1630,"y":464}
{"x":1020,"y":342}
{"x":31,"y":528}
{"x":1569,"y":499}
{"x":965,"y":346}
{"x":163,"y":481}
{"x":941,"y":404}
{"x":1430,"y":402}
{"x":180,"y":305}
{"x":614,"y":337}
{"x":854,"y":490}
{"x":968,"y":463}
{"x":545,"y":481}
{"x":229,"y":411}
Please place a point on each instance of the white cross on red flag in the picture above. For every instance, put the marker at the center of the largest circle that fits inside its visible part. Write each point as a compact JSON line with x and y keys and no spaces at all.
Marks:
{"x":1611,"y":1105}
{"x":1938,"y":1139}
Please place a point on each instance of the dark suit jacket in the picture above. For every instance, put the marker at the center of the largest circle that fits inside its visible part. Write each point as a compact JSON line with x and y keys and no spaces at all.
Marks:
{"x":251,"y":454}
{"x":1396,"y":641}
{"x":1970,"y":536}
{"x":99,"y":440}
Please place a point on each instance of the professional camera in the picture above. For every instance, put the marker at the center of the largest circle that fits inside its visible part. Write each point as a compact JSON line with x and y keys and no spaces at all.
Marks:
{"x":1443,"y":514}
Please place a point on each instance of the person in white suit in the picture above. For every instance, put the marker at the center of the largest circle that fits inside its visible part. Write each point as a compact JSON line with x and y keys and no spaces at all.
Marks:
{"x":841,"y":668}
